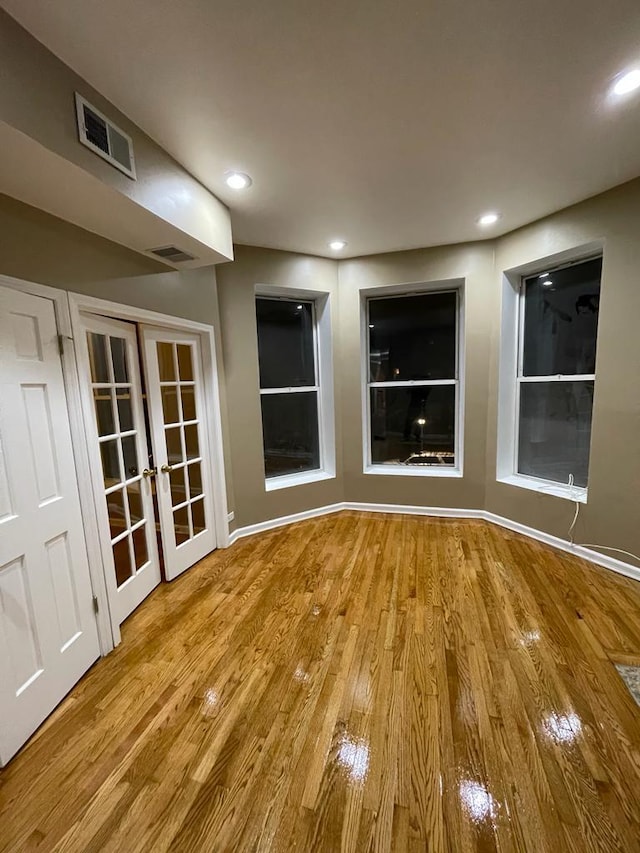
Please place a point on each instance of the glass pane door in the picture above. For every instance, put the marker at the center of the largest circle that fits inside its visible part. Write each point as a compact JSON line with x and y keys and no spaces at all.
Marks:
{"x":177,"y":410}
{"x":122,"y":450}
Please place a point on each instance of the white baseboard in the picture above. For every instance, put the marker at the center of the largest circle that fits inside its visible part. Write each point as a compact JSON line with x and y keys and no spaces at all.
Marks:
{"x":402,"y":509}
{"x":272,"y":523}
{"x":622,"y":568}
{"x":589,"y":554}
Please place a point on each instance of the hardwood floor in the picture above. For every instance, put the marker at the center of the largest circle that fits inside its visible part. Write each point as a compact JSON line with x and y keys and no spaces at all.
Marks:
{"x":355,"y":682}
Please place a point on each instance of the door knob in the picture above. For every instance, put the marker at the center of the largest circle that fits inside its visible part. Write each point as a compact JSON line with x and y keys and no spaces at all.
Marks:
{"x":166,"y":469}
{"x":149,"y":472}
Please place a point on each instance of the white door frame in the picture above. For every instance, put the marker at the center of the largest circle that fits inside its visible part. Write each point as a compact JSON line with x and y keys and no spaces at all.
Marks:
{"x":80,"y":449}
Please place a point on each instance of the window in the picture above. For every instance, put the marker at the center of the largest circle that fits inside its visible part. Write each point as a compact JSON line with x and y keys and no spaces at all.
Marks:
{"x":413,"y":386}
{"x":289,"y":386}
{"x":556,"y":372}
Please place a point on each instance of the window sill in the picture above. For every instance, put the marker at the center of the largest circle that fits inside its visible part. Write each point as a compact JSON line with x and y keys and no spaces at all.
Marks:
{"x":286,"y":481}
{"x":546,"y":487}
{"x":414,"y":471}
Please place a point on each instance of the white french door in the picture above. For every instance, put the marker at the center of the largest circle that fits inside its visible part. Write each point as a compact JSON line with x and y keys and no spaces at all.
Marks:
{"x":48,"y":632}
{"x":177,"y":413}
{"x":122,"y":478}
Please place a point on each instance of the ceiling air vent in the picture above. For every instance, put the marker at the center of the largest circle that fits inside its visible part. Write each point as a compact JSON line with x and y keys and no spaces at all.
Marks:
{"x":102,"y":136}
{"x":172,"y":254}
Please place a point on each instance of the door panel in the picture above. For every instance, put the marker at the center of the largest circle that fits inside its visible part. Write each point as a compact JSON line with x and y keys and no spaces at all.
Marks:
{"x":48,"y":633}
{"x":173,"y":363}
{"x":120,"y":460}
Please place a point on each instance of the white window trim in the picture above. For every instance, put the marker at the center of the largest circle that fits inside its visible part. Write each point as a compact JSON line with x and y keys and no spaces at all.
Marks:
{"x":323,"y":385}
{"x":511,"y":378}
{"x":413,"y":289}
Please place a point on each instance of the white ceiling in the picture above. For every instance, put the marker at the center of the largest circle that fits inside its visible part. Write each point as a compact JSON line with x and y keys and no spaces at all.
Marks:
{"x":391,"y":124}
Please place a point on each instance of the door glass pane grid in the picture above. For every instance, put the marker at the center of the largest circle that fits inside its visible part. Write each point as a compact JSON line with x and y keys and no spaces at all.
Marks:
{"x":131,"y":528}
{"x":182,"y":438}
{"x":177,"y":385}
{"x":189,"y":513}
{"x":119,"y":452}
{"x":178,"y":402}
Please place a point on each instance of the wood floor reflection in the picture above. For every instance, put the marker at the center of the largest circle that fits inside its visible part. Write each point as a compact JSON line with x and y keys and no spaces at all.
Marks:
{"x":351,"y":683}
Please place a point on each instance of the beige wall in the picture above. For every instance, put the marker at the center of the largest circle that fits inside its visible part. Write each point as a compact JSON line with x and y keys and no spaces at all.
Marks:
{"x":474,"y":264}
{"x":612,"y":513}
{"x":236,"y":292}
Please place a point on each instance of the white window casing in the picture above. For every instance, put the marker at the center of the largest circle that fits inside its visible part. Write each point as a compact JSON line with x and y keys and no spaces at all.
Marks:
{"x":323,"y":386}
{"x":512,"y":378}
{"x":414,"y":289}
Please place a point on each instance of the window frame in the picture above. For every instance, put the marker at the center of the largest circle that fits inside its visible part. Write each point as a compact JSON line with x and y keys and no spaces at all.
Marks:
{"x":512,"y":376}
{"x":395,"y":292}
{"x":323,"y":387}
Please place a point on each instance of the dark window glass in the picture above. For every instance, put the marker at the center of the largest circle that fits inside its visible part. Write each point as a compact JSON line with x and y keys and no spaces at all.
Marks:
{"x":412,"y":337}
{"x":413,"y":426}
{"x":555,"y":430}
{"x":119,"y":359}
{"x":117,"y":517}
{"x":285,"y":343}
{"x":104,"y":411}
{"x":122,"y":561}
{"x":110,"y":462}
{"x":290,"y":432}
{"x":98,"y":357}
{"x":561,"y":320}
{"x":140,"y":547}
{"x":130,"y":456}
{"x":125,"y":414}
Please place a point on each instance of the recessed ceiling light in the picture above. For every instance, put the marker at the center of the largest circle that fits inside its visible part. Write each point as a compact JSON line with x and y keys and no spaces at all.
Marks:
{"x":237,"y":180}
{"x":628,"y":82}
{"x":488,"y":219}
{"x":337,"y":245}
{"x":371,"y":325}
{"x":544,"y":275}
{"x":299,"y":307}
{"x":547,"y":282}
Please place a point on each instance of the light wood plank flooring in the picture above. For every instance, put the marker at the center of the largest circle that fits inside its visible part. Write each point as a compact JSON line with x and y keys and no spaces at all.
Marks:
{"x":355,"y":682}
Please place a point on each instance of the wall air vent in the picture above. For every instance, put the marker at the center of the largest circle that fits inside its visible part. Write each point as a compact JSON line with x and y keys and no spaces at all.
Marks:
{"x":172,"y":254}
{"x":102,"y":136}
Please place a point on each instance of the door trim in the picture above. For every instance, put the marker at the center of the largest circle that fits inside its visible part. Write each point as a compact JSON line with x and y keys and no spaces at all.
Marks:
{"x":80,"y":451}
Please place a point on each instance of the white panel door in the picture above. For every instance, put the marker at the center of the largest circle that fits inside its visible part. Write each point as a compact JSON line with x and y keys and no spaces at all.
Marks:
{"x":48,"y":632}
{"x":122,"y":479}
{"x":177,"y":412}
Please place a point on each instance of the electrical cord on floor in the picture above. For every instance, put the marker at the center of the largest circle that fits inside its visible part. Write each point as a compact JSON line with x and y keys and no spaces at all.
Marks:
{"x":584,"y":544}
